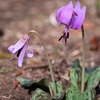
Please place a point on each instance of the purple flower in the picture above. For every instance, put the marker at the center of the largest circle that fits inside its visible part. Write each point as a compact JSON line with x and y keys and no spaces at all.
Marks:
{"x":64,"y":14}
{"x":20,"y":49}
{"x":78,"y":16}
{"x":70,"y":17}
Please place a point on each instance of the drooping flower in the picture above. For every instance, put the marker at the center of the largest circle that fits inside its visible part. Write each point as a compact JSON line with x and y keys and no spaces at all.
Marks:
{"x":70,"y":17}
{"x":20,"y":49}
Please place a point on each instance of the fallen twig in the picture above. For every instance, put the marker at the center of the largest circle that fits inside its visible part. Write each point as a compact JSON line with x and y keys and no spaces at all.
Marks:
{"x":19,"y":72}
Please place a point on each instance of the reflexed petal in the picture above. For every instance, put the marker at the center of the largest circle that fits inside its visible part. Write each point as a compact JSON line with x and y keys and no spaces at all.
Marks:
{"x":20,"y":43}
{"x":77,"y":7}
{"x":58,"y":13}
{"x":10,"y":48}
{"x":21,"y":56}
{"x":66,"y":14}
{"x":79,"y":19}
{"x":70,"y":5}
{"x":30,"y":55}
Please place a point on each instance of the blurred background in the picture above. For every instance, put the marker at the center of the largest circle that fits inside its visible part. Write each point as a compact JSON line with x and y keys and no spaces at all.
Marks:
{"x":17,"y":17}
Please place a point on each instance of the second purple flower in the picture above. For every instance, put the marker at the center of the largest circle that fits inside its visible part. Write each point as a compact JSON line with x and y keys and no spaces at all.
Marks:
{"x":71,"y":18}
{"x":20,"y":49}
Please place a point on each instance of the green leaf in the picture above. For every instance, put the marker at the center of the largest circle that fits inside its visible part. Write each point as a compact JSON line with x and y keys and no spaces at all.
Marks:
{"x":42,"y":82}
{"x":59,"y":96}
{"x":59,"y":87}
{"x":76,"y":65}
{"x":30,"y":85}
{"x":78,"y":69}
{"x":74,"y":77}
{"x":94,"y":79}
{"x":92,"y":82}
{"x":86,"y":77}
{"x":89,"y":70}
{"x":87,"y":95}
{"x":73,"y":93}
{"x":23,"y":81}
{"x":40,"y":95}
{"x":60,"y":92}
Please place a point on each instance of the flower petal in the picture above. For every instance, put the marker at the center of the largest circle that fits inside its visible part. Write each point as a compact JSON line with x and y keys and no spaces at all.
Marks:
{"x":66,"y":14}
{"x":21,"y":56}
{"x":10,"y":48}
{"x":20,"y":43}
{"x":20,"y":59}
{"x":77,"y":23}
{"x":77,"y":7}
{"x":58,"y":13}
{"x":70,"y":4}
{"x":30,"y":55}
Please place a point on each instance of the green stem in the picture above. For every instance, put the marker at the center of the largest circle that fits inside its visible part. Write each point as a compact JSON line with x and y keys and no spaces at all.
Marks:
{"x":56,"y":53}
{"x":50,"y":66}
{"x":83,"y":59}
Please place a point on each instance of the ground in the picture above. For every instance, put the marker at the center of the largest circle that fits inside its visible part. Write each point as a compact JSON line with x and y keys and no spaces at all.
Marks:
{"x":17,"y":18}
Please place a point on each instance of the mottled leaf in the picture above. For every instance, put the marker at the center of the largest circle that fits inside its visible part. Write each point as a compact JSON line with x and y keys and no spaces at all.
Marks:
{"x":89,"y":70}
{"x":76,"y":65}
{"x":88,"y":95}
{"x":40,"y":95}
{"x":30,"y":85}
{"x":73,"y":93}
{"x":94,"y":79}
{"x":74,"y":77}
{"x":59,"y":87}
{"x":92,"y":82}
{"x":59,"y":96}
{"x":25,"y":81}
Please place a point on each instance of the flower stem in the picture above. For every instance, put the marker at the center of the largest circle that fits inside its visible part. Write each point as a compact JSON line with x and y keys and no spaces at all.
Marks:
{"x":83,"y":59}
{"x":56,"y":53}
{"x":50,"y":66}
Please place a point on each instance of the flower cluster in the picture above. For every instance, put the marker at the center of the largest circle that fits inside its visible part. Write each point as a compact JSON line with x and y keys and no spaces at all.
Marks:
{"x":20,"y":48}
{"x":71,"y":17}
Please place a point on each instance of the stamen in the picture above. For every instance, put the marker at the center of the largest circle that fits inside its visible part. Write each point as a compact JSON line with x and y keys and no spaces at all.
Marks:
{"x":65,"y":39}
{"x":60,"y":38}
{"x":67,"y":34}
{"x":64,"y":36}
